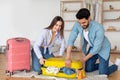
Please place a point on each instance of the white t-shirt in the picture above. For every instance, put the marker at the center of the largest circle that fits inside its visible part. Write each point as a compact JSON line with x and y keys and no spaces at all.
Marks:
{"x":85,"y":33}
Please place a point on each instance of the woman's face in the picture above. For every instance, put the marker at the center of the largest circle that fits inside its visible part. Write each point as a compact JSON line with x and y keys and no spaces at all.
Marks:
{"x":57,"y":26}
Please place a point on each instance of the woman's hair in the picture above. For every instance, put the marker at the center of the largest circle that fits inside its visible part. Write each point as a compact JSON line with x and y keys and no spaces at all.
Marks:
{"x":83,"y":13}
{"x":54,"y":21}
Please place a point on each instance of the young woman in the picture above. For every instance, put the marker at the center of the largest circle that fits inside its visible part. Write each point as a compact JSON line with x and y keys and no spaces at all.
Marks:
{"x":50,"y":42}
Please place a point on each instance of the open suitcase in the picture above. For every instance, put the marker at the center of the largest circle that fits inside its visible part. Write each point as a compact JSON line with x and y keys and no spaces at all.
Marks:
{"x":17,"y":55}
{"x":59,"y":63}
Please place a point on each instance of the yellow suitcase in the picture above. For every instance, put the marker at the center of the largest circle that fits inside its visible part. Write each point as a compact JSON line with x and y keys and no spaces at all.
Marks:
{"x":59,"y":63}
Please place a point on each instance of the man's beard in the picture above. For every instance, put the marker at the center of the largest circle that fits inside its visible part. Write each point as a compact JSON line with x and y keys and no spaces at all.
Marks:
{"x":86,"y":26}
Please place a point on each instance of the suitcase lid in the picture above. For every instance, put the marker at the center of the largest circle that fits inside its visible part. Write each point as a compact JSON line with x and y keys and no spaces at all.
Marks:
{"x":60,"y":62}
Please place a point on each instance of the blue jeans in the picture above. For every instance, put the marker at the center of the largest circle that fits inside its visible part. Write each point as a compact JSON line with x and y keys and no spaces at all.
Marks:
{"x":35,"y":61}
{"x":103,"y":65}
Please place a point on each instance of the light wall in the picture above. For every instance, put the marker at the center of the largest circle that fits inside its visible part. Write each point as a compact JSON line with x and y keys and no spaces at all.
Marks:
{"x":25,"y":18}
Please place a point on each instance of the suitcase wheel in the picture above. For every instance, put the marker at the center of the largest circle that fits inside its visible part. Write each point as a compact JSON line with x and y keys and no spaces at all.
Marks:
{"x":11,"y":73}
{"x":6,"y":71}
{"x":27,"y":71}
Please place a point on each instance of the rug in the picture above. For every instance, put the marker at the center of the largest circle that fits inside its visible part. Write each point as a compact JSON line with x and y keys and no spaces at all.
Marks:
{"x":89,"y":75}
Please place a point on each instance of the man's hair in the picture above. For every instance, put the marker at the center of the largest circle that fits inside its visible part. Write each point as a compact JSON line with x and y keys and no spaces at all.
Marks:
{"x":83,"y":13}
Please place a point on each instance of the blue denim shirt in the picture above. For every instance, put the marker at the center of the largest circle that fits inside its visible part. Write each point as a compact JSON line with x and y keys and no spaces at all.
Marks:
{"x":100,"y":43}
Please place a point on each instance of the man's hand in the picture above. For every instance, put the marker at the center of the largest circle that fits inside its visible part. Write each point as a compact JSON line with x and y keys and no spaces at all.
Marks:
{"x":85,"y":58}
{"x":42,"y":61}
{"x":68,"y":63}
{"x":83,"y":62}
{"x":81,"y":58}
{"x":68,"y":60}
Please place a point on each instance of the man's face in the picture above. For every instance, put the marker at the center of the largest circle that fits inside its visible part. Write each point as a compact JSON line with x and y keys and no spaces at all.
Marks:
{"x":84,"y":23}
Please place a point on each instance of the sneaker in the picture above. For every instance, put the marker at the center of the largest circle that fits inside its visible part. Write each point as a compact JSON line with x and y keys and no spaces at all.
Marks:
{"x":117,"y":62}
{"x":39,"y":72}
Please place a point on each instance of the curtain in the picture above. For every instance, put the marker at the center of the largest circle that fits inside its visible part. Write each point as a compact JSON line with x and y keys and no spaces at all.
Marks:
{"x":95,"y":7}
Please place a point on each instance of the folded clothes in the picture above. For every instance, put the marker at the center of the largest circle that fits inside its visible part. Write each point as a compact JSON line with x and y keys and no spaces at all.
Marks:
{"x":67,"y":71}
{"x":52,"y":69}
{"x":55,"y":70}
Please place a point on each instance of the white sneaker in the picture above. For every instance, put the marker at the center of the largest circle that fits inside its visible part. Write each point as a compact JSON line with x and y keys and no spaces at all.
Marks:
{"x":117,"y":62}
{"x":110,"y":63}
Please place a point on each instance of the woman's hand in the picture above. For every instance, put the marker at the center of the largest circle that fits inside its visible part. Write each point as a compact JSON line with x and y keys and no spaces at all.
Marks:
{"x":42,"y":61}
{"x":68,"y":63}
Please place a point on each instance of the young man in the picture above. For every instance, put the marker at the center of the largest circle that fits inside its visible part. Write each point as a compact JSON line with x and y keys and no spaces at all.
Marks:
{"x":95,"y":44}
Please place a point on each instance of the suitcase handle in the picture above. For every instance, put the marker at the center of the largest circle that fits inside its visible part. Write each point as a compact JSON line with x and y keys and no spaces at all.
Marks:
{"x":19,"y":39}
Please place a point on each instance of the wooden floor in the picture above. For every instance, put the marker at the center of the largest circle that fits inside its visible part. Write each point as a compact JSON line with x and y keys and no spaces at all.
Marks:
{"x":113,"y":76}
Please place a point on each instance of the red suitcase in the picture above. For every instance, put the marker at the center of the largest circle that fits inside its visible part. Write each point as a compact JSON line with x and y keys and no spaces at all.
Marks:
{"x":18,"y":55}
